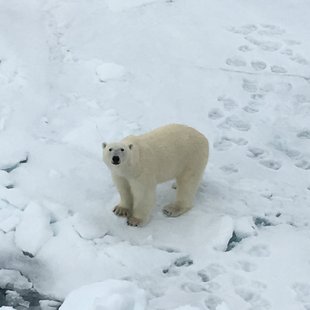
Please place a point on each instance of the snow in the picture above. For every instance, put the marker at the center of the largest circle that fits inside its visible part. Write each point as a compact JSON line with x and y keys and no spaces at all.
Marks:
{"x":110,"y":294}
{"x":13,"y":277}
{"x":110,"y":71}
{"x":34,"y":229}
{"x":75,"y":74}
{"x":5,"y":178}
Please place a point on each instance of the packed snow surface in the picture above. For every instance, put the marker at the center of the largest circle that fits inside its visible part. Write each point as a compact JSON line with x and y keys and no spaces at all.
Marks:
{"x":74,"y":74}
{"x":111,"y":294}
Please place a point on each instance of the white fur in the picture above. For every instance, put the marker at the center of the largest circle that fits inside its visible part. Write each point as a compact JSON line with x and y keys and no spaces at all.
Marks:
{"x":169,"y":152}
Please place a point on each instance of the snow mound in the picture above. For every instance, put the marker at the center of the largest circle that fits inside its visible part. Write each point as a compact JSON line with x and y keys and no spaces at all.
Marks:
{"x":34,"y":229}
{"x":89,"y":226}
{"x":110,"y":71}
{"x":107,"y":295}
{"x":13,"y":279}
{"x":10,"y":222}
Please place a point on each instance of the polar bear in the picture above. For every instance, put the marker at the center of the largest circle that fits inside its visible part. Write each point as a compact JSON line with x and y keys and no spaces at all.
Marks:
{"x":139,"y":163}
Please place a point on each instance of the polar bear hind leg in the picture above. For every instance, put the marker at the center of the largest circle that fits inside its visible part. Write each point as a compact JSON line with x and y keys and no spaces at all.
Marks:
{"x":187,"y":186}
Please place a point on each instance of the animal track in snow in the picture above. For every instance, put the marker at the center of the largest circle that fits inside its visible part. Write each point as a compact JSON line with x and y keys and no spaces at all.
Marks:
{"x":292,"y":42}
{"x":303,"y":164}
{"x":299,"y":59}
{"x":249,"y":85}
{"x":279,"y":88}
{"x":246,"y":266}
{"x":257,"y":96}
{"x":253,"y":298}
{"x":271,"y":30}
{"x":302,"y":291}
{"x":245,"y":29}
{"x":278,"y":69}
{"x":203,"y":276}
{"x":228,"y":103}
{"x":258,"y":65}
{"x":229,"y":169}
{"x":250,"y":109}
{"x":271,"y":164}
{"x":235,"y":122}
{"x":236,"y":62}
{"x":300,"y":98}
{"x":304,"y":134}
{"x":183,"y":261}
{"x":211,"y":272}
{"x":225,"y":143}
{"x":214,"y":302}
{"x":191,"y":287}
{"x":259,"y":250}
{"x":215,"y":114}
{"x":269,"y":46}
{"x":255,"y":152}
{"x":245,"y":48}
{"x":281,"y":145}
{"x":287,"y":51}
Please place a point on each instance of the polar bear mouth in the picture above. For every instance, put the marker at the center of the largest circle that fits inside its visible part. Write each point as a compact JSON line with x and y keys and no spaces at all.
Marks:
{"x":116,"y":160}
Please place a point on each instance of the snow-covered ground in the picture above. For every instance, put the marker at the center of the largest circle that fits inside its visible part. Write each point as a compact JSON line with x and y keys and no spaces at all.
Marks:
{"x":76,"y":73}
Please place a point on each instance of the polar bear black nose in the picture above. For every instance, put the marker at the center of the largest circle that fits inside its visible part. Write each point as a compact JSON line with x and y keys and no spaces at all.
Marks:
{"x":115,"y":160}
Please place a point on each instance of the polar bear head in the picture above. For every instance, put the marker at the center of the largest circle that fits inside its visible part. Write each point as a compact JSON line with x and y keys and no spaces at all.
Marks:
{"x":117,"y":156}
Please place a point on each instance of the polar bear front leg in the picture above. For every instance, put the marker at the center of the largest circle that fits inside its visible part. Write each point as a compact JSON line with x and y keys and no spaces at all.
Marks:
{"x":124,"y":208}
{"x":143,"y":203}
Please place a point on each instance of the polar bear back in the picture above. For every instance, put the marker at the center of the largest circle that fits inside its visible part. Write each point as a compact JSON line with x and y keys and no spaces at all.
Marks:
{"x":167,"y":152}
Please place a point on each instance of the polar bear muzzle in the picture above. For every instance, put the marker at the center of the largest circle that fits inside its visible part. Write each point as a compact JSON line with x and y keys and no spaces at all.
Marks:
{"x":116,"y":160}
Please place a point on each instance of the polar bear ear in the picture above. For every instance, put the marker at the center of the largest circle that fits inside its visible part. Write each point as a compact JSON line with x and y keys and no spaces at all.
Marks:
{"x":104,"y":145}
{"x":130,"y":146}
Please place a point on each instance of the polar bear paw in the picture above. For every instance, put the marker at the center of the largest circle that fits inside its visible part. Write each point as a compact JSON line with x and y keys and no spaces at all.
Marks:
{"x":133,"y":221}
{"x":121,"y":211}
{"x":174,"y":209}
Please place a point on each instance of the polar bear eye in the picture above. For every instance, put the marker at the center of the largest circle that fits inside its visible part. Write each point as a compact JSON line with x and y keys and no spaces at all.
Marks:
{"x":122,"y":150}
{"x":110,"y":149}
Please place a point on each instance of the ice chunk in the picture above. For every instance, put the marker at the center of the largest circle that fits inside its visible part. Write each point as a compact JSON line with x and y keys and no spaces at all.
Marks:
{"x":110,"y":71}
{"x":11,"y":160}
{"x":14,"y":196}
{"x":107,"y":295}
{"x":223,"y":231}
{"x":9,"y":223}
{"x":57,"y":211}
{"x":34,"y":229}
{"x":244,"y":227}
{"x":9,"y":217}
{"x":12,"y":298}
{"x":14,"y":280}
{"x":49,"y":304}
{"x":5,"y":178}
